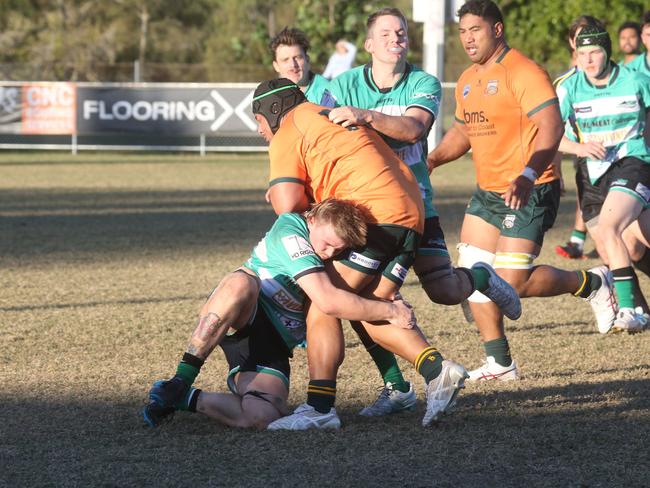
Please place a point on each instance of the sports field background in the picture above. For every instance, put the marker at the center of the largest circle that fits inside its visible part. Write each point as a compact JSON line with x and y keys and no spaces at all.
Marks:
{"x":104,"y":262}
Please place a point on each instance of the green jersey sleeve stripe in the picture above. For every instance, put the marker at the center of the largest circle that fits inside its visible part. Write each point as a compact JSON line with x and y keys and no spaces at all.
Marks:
{"x":305,"y":272}
{"x":417,"y":105}
{"x":543,"y":105}
{"x":286,"y":179}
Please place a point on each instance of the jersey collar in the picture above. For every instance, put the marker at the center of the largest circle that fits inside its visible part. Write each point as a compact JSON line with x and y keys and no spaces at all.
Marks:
{"x":612,"y":77}
{"x":367,"y":76}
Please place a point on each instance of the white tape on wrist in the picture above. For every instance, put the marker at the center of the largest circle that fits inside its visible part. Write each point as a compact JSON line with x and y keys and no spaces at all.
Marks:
{"x":529,"y":173}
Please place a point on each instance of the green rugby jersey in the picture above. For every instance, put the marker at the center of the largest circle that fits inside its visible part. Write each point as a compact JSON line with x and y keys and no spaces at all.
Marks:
{"x":317,"y":85}
{"x":613,"y":114}
{"x":279,"y":259}
{"x":640,"y":64}
{"x":416,"y":88}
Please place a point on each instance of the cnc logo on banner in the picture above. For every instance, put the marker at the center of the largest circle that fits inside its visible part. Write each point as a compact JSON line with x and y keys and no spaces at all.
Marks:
{"x":165,"y":110}
{"x":49,"y":108}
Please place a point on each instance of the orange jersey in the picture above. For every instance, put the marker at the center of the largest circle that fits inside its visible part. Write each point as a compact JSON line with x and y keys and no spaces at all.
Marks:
{"x":495,"y":105}
{"x":356,"y":165}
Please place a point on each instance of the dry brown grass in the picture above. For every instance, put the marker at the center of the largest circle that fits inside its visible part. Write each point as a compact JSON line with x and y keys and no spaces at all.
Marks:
{"x":104,"y":261}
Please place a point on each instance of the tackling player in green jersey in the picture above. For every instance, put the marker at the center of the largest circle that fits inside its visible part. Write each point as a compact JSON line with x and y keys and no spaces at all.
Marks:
{"x":257,"y":315}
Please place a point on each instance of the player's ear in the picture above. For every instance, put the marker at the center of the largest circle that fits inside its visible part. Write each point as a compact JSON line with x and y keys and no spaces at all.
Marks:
{"x":498,"y":30}
{"x":367,"y":45}
{"x":276,"y":67}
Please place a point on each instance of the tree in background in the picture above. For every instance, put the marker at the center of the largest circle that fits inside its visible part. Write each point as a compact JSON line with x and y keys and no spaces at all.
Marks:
{"x":227,"y":40}
{"x":539,"y":28}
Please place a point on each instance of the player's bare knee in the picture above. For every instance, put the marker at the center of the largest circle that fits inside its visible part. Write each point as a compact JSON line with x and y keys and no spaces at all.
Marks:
{"x":256,"y":420}
{"x":609,"y":235}
{"x":442,"y":284}
{"x":445,"y":291}
{"x":259,"y":409}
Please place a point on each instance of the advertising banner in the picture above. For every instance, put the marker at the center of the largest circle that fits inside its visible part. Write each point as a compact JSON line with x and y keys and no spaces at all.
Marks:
{"x":164,"y":110}
{"x":48,"y":108}
{"x":10,"y":109}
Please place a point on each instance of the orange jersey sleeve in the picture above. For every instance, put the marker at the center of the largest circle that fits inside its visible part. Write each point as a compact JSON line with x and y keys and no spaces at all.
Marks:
{"x":495,"y":105}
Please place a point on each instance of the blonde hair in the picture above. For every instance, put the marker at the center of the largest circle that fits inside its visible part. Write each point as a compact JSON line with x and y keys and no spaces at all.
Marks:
{"x":346,"y":217}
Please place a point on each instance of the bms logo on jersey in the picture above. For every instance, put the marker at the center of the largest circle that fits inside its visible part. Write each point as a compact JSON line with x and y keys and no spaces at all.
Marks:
{"x":297,"y":247}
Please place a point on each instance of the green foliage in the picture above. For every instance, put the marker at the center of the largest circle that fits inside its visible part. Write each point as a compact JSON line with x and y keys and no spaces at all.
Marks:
{"x":77,"y":39}
{"x":327,"y":21}
{"x":540,"y":28}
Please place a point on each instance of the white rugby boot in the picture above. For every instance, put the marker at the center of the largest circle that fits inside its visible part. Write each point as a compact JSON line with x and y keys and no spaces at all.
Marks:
{"x":603,"y":300}
{"x":501,"y":293}
{"x":391,"y":400}
{"x":491,"y":370}
{"x":443,"y":390}
{"x":628,"y":320}
{"x":305,"y":417}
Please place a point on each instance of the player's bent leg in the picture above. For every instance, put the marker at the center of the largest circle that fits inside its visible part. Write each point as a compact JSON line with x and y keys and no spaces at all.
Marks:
{"x":261,"y":399}
{"x":443,"y":378}
{"x":489,"y":286}
{"x":481,"y":239}
{"x":325,"y":344}
{"x":441,"y":282}
{"x":398,"y":394}
{"x":231,"y":305}
{"x":620,"y":209}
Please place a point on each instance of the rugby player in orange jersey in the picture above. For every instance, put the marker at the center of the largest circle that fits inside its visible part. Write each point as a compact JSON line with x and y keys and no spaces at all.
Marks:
{"x":507,"y":113}
{"x":311,"y":159}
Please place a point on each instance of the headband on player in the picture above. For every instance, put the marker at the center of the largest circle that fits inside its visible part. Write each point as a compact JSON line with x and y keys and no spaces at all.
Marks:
{"x":592,"y":35}
{"x":273,"y":99}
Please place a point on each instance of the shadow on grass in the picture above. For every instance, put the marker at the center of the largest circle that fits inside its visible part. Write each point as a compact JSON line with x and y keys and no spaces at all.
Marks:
{"x":69,"y":224}
{"x":579,"y":434}
{"x":99,"y":303}
{"x":87,"y":225}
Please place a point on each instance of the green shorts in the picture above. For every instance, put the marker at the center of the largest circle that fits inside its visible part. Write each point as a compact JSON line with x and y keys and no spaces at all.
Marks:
{"x":389,"y":249}
{"x":530,"y":222}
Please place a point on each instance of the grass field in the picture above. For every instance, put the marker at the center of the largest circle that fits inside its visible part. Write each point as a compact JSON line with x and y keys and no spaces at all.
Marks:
{"x":104,"y":262}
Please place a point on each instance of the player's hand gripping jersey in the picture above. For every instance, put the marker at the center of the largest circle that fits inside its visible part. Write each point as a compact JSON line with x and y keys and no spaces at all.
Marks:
{"x":613,"y":114}
{"x":496,"y":105}
{"x":416,"y":88}
{"x":356,"y":165}
{"x":279,"y":259}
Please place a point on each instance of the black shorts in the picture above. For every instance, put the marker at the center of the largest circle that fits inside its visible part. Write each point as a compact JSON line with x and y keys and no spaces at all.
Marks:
{"x":259,"y":348}
{"x":629,"y":175}
{"x":590,"y":197}
{"x":389,"y":250}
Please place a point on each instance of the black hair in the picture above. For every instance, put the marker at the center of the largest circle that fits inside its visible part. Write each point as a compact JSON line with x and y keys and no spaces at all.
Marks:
{"x":630,"y":25}
{"x":486,"y":9}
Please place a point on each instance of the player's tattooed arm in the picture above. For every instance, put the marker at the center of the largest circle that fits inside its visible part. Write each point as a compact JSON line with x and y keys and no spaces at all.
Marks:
{"x":208,"y":333}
